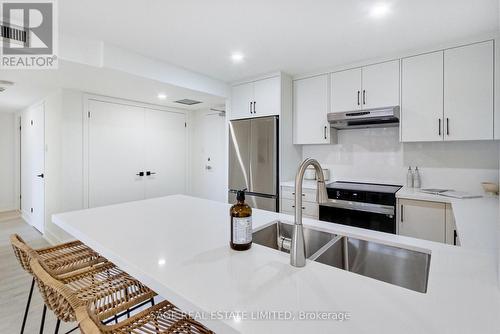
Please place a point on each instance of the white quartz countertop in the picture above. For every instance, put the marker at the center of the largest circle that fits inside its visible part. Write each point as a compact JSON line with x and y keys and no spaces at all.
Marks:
{"x":179,"y":247}
{"x":476,"y":219}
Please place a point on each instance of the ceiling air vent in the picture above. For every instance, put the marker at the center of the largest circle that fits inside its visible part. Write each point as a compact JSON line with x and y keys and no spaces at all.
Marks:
{"x":13,"y":34}
{"x":188,"y":102}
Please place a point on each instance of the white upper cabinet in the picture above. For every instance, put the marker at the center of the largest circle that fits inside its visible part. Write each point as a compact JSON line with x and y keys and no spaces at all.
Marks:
{"x":267,"y":97}
{"x":367,"y":87}
{"x":256,"y":99}
{"x":380,"y":83}
{"x":448,"y":95}
{"x":422,"y":98}
{"x":468,"y":92}
{"x":346,"y":90}
{"x":310,"y":109}
{"x":241,"y":97}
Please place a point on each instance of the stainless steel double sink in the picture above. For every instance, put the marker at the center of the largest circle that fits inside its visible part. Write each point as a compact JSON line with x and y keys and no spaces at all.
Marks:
{"x":399,"y":266}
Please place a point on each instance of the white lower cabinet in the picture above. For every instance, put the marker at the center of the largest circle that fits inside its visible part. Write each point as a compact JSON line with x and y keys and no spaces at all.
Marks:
{"x":310,"y":207}
{"x":451,"y":229}
{"x":426,"y":220}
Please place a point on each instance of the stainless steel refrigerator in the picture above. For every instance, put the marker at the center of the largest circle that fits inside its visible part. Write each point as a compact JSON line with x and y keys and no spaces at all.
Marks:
{"x":253,"y":161}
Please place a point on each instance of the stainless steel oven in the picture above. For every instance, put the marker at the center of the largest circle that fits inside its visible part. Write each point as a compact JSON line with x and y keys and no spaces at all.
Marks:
{"x":364,"y":205}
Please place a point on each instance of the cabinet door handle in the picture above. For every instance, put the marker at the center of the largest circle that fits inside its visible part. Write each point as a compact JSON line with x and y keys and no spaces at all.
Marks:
{"x":254,"y":104}
{"x":359,"y":103}
{"x":439,"y":127}
{"x":148,"y":173}
{"x":251,"y":104}
{"x":455,"y":237}
{"x":325,"y":132}
{"x":447,"y":126}
{"x":401,"y":213}
{"x":140,"y":174}
{"x":303,"y":208}
{"x":364,"y":96}
{"x":41,"y":175}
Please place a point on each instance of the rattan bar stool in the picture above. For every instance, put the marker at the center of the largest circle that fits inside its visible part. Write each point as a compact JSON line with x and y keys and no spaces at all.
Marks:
{"x":58,"y":259}
{"x":70,"y":303}
{"x":113,"y":292}
{"x":159,"y":319}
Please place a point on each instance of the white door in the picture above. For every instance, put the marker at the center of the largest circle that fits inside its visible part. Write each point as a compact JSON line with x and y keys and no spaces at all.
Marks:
{"x":346,"y":90}
{"x":33,"y":166}
{"x":310,"y":109}
{"x":164,"y":153}
{"x":422,"y":220}
{"x":422,"y":98}
{"x":26,"y":162}
{"x":38,"y":165}
{"x":468,"y":92}
{"x":241,"y":97}
{"x":116,"y":146}
{"x":267,"y":97}
{"x":208,"y":157}
{"x":380,"y":85}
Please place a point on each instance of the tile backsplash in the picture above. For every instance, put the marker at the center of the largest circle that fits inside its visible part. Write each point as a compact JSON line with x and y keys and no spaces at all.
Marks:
{"x":376,"y":155}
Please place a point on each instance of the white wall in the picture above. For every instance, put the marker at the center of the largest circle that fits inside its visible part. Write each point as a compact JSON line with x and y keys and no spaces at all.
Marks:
{"x":7,"y":161}
{"x":208,"y":140}
{"x":376,"y":155}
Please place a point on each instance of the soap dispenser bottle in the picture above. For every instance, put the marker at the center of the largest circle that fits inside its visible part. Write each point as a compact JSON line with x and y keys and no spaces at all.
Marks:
{"x":241,"y":223}
{"x":409,"y":178}
{"x":416,"y":178}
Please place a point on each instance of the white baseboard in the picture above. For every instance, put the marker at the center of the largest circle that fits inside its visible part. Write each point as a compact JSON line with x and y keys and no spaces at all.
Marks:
{"x":51,"y":238}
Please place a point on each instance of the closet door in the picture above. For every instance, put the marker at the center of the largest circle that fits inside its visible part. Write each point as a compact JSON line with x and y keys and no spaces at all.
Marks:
{"x":38,"y":167}
{"x":33,"y":165}
{"x":165,"y":153}
{"x":116,"y":146}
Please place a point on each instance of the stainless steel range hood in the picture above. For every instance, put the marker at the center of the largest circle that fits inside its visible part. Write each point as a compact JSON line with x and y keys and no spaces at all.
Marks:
{"x":368,"y":118}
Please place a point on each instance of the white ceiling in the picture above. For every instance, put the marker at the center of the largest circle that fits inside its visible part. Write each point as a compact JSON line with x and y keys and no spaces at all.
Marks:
{"x":296,"y":36}
{"x":32,"y":85}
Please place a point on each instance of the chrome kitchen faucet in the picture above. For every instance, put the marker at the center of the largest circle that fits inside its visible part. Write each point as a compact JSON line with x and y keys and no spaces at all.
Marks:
{"x":298,"y":247}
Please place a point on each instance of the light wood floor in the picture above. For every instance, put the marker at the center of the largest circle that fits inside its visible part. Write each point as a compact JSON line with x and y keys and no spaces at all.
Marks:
{"x":15,"y":284}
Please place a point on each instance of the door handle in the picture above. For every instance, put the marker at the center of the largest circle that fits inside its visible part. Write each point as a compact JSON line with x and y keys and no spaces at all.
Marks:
{"x":359,"y":103}
{"x":140,"y":174}
{"x":455,"y":237}
{"x":251,"y":104}
{"x":41,"y":175}
{"x":439,"y":127}
{"x":402,"y":213}
{"x":364,"y":96}
{"x":148,"y":173}
{"x":254,"y":104}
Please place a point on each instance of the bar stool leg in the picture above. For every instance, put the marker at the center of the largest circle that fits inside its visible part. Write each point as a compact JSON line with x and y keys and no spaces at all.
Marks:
{"x":58,"y":323}
{"x":28,"y":305}
{"x":43,"y":318}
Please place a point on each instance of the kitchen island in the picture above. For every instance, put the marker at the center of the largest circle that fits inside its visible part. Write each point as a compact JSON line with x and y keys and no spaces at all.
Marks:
{"x":179,"y":246}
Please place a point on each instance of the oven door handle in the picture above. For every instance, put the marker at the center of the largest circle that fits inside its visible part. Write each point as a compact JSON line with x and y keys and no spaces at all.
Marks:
{"x":360,"y":206}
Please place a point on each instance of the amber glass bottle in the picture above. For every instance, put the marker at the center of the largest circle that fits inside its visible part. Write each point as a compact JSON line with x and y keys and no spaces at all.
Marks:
{"x":241,"y":223}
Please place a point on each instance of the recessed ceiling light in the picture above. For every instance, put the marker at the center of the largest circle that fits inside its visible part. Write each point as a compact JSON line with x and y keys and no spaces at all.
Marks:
{"x":380,"y":10}
{"x":162,"y":96}
{"x":237,"y":57}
